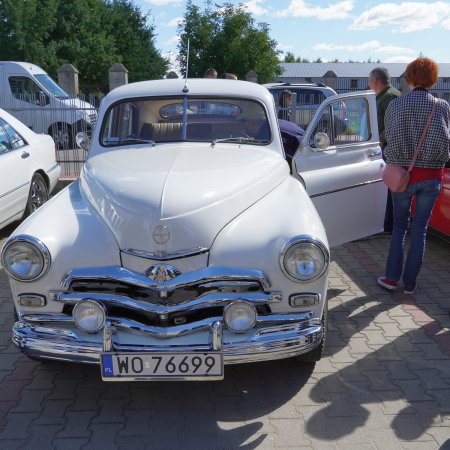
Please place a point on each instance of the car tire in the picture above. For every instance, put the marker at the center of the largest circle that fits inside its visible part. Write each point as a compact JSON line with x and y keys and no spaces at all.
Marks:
{"x":316,"y":354}
{"x":38,"y":194}
{"x":62,"y":135}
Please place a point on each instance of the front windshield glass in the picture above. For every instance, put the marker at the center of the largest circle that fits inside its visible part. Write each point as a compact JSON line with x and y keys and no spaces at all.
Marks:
{"x":51,"y":86}
{"x":185,"y":119}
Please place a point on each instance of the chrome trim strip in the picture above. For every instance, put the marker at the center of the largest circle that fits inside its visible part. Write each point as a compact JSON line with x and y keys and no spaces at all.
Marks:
{"x":346,"y":188}
{"x":15,"y":189}
{"x":204,"y":275}
{"x":205,"y":301}
{"x":278,"y":344}
{"x":299,"y":319}
{"x":52,"y":169}
{"x":162,"y":256}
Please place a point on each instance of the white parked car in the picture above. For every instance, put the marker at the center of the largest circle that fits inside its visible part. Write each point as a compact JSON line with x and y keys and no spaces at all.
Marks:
{"x":28,"y":169}
{"x":188,"y":242}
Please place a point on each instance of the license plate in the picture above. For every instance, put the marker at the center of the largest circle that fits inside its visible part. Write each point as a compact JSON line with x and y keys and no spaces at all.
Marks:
{"x":162,"y":366}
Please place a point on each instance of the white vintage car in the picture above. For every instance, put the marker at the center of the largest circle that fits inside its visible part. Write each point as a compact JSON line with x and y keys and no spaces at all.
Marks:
{"x":188,"y":242}
{"x":28,"y":169}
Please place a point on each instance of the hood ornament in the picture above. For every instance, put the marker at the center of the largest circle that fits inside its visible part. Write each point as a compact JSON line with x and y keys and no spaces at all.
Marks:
{"x":161,"y":234}
{"x":162,"y":272}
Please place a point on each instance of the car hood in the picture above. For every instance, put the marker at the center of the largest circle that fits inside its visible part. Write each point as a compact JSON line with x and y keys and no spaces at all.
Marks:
{"x":171,"y":199}
{"x":77,"y":103}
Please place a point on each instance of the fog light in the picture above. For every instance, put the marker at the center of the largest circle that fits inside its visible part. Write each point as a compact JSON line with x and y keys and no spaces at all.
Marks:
{"x":304,"y":299}
{"x":89,"y":316}
{"x":240,"y":316}
{"x":31,"y":300}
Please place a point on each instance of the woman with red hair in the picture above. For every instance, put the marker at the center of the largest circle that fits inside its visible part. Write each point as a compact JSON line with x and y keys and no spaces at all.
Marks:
{"x":405,"y":122}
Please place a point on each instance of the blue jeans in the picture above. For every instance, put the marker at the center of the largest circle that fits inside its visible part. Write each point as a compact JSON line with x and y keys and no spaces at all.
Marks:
{"x":426,"y":193}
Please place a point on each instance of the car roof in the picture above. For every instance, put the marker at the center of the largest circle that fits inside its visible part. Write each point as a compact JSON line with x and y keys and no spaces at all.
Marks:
{"x":201,"y":87}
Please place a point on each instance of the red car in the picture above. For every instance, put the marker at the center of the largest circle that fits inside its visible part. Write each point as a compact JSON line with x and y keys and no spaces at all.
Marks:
{"x":440,"y":219}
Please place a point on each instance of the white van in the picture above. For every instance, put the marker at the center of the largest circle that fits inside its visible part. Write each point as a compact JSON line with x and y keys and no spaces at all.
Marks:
{"x":28,"y":93}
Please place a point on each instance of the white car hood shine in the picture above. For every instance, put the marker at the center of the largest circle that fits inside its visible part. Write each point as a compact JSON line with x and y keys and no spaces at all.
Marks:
{"x":191,"y":190}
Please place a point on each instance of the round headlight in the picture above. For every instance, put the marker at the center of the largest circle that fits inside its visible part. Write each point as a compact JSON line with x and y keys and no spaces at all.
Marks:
{"x":240,"y":316}
{"x":304,"y":259}
{"x":89,"y":316}
{"x":25,"y":258}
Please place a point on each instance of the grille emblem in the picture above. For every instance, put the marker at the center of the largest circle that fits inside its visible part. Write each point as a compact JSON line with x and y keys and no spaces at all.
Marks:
{"x":161,"y":234}
{"x":162,"y":272}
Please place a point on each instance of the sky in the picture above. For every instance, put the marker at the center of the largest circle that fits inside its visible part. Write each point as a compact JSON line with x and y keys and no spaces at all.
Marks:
{"x":349,"y":30}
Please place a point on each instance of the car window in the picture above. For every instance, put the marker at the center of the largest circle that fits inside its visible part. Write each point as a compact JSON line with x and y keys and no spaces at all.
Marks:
{"x":25,"y":89}
{"x":185,"y":119}
{"x":305,"y":102}
{"x":345,"y":122}
{"x":5,"y":143}
{"x":15,"y":138}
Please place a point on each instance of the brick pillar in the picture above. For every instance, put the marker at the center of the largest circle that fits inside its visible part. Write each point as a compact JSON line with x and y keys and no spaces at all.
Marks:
{"x":252,"y":76}
{"x":68,"y":79}
{"x":118,"y":76}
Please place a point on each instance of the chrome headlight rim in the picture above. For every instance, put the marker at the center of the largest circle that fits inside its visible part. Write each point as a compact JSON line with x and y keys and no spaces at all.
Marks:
{"x":235,"y":303}
{"x":36,"y":243}
{"x":97,"y":305}
{"x":305,"y":239}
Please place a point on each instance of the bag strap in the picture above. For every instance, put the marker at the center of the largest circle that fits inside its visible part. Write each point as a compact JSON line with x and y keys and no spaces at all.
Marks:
{"x":422,"y":138}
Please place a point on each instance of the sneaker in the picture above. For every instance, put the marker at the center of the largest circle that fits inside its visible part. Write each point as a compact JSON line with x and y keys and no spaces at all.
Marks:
{"x":387,"y":284}
{"x":409,"y":291}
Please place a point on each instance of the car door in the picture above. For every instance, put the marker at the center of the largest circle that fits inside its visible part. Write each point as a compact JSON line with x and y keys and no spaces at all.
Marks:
{"x":340,"y":163}
{"x":15,"y":173}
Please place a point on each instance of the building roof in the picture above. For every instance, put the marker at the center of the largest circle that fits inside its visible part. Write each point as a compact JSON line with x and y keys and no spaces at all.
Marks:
{"x":348,"y":70}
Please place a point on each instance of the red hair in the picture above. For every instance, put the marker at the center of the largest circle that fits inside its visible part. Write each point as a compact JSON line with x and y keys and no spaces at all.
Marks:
{"x":422,"y":72}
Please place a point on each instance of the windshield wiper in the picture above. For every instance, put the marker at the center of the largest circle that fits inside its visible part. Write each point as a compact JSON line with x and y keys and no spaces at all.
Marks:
{"x":129,"y":141}
{"x":238,"y":139}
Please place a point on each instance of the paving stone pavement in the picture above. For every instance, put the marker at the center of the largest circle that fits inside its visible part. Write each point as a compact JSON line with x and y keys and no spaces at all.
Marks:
{"x":384,"y":382}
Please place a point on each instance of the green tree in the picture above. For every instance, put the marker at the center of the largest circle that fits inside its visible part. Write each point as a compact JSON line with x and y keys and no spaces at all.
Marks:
{"x":228,"y":39}
{"x":291,"y":58}
{"x":90,"y":34}
{"x":134,"y":41}
{"x":25,"y":31}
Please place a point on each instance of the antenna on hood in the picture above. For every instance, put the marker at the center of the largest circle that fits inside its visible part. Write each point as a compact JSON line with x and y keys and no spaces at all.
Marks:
{"x":185,"y":88}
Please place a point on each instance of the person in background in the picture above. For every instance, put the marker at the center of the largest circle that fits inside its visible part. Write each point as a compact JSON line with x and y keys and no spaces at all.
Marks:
{"x":291,"y":135}
{"x":255,"y":122}
{"x":285,"y":102}
{"x":229,"y":76}
{"x":210,"y":73}
{"x":405,"y":121}
{"x":380,"y":83}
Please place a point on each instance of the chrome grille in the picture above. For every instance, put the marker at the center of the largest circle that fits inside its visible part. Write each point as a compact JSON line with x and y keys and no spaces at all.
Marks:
{"x":188,"y":298}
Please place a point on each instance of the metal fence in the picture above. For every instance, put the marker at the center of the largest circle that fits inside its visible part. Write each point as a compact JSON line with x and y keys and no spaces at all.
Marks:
{"x":62,"y":117}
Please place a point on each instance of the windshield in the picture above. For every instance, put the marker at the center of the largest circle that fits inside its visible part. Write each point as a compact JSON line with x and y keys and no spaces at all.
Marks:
{"x":51,"y":86}
{"x":159,"y":120}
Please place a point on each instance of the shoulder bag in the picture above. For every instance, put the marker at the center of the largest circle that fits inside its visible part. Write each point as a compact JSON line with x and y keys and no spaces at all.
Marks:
{"x":396,"y":177}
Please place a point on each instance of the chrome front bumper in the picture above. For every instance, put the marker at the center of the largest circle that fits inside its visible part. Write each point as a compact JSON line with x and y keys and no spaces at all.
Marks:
{"x":276,"y":337}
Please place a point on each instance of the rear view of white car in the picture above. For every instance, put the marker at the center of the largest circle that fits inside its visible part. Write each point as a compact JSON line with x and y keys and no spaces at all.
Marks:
{"x":28,"y":169}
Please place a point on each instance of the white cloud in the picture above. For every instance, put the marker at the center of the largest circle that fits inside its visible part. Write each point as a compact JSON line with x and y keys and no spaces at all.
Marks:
{"x":399,"y":59}
{"x":254,"y":8}
{"x":173,"y":62}
{"x":173,"y":40}
{"x":173,"y":23}
{"x":406,"y":17}
{"x":371,"y":46}
{"x":299,"y":8}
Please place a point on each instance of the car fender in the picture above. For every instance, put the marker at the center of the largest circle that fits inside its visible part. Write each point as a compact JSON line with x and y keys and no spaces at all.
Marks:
{"x":75,"y":236}
{"x":256,"y":237}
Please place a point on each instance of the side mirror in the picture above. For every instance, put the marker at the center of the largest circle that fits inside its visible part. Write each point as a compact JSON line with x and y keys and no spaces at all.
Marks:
{"x":82,"y":140}
{"x":322,"y":140}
